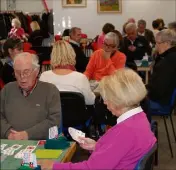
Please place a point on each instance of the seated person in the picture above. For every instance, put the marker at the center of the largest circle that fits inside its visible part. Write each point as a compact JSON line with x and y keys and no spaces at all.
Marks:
{"x":28,"y":107}
{"x":81,"y":59}
{"x":36,"y":37}
{"x":108,"y":27}
{"x":143,"y":31}
{"x":11,"y":48}
{"x":163,"y":79}
{"x":130,"y":139}
{"x":135,"y":46}
{"x":105,"y":61}
{"x":64,"y":75}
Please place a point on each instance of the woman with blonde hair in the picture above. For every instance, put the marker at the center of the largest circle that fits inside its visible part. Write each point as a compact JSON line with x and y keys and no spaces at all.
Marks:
{"x":17,"y":31}
{"x":36,"y":37}
{"x":63,"y":73}
{"x":130,"y":139}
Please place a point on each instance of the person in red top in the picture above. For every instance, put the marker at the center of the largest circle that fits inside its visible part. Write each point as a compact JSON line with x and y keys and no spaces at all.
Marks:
{"x":105,"y":61}
{"x":17,"y":31}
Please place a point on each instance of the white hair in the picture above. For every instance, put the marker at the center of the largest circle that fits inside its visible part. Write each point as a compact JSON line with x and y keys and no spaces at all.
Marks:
{"x":24,"y":55}
{"x":112,"y":36}
{"x":167,"y":35}
{"x":130,"y":26}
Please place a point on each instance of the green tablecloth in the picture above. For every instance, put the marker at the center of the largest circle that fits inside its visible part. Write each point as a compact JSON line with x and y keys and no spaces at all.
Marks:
{"x":11,"y":163}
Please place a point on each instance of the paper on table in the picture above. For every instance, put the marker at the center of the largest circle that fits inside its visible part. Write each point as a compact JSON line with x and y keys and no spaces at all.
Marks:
{"x":48,"y":153}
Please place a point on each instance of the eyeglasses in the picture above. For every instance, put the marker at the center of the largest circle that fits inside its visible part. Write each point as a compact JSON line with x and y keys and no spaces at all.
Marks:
{"x":25,"y":73}
{"x":109,"y":45}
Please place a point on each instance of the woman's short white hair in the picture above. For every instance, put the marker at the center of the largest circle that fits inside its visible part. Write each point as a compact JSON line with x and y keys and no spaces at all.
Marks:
{"x":124,"y":88}
{"x":167,"y":35}
{"x":130,"y":26}
{"x":16,"y":21}
{"x":24,"y":55}
{"x":112,"y":36}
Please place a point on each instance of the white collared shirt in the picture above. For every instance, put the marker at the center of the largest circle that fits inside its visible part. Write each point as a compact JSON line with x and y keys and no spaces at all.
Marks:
{"x":74,"y":42}
{"x":129,"y":114}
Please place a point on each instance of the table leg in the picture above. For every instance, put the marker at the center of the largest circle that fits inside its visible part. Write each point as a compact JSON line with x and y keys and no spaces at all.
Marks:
{"x":146,"y":77}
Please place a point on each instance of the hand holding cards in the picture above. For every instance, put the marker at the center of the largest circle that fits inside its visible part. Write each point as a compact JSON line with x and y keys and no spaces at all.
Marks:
{"x":75,"y":134}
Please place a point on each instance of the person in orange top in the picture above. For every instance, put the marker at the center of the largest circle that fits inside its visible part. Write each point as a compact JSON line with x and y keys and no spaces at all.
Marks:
{"x":105,"y":61}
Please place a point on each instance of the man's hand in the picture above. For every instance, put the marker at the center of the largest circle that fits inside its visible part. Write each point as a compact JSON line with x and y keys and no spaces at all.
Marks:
{"x":14,"y":135}
{"x":132,"y":48}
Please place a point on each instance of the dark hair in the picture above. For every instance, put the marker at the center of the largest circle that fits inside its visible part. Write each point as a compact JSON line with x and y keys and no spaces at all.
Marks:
{"x":161,"y":21}
{"x":108,"y":27}
{"x":11,"y":43}
{"x":155,"y":24}
{"x":66,"y":32}
{"x":172,"y":25}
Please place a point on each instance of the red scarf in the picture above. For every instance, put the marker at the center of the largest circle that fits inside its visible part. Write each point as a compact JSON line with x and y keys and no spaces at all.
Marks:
{"x":69,"y":67}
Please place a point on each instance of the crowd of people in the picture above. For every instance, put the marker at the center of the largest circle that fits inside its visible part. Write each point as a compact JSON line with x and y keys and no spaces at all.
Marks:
{"x":30,"y":100}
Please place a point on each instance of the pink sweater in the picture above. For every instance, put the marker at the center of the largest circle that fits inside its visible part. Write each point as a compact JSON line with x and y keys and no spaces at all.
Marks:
{"x":120,"y":148}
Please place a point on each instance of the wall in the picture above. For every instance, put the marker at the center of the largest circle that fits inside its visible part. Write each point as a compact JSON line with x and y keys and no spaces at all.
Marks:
{"x":28,"y":5}
{"x":91,"y":22}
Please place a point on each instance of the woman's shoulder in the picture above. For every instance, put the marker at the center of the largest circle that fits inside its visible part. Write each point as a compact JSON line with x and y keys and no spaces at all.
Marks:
{"x":47,"y":73}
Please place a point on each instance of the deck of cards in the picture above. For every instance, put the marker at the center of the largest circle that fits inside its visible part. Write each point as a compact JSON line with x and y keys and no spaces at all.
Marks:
{"x":53,"y":132}
{"x":75,"y":134}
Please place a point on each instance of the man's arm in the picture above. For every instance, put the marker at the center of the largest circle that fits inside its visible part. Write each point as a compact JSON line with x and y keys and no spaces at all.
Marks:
{"x":40,"y":130}
{"x":5,"y":126}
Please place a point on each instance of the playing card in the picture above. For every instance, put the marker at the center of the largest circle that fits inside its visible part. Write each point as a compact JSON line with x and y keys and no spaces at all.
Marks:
{"x":3,"y":146}
{"x":30,"y":149}
{"x":20,"y":154}
{"x":53,"y":132}
{"x":11,"y":150}
{"x":75,"y":134}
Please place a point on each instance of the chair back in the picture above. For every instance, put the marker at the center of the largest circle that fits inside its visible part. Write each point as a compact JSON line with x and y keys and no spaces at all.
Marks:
{"x":74,"y":111}
{"x":146,"y":162}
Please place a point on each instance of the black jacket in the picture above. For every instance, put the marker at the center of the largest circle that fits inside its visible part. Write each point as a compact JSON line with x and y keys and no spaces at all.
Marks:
{"x":81,"y":59}
{"x":7,"y":74}
{"x":163,"y":79}
{"x":36,"y":38}
{"x":142,"y":47}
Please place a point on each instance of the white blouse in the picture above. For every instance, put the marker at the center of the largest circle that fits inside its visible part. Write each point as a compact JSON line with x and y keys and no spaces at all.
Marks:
{"x":74,"y":82}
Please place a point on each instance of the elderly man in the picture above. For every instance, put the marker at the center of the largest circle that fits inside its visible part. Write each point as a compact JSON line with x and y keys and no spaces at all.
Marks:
{"x":163,"y":80}
{"x":105,"y":61}
{"x":143,"y":31}
{"x":135,"y":46}
{"x":81,"y":59}
{"x":28,"y":107}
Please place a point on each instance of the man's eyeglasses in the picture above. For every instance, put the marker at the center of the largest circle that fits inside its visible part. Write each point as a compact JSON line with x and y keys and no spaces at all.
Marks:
{"x":109,"y":45}
{"x":25,"y":73}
